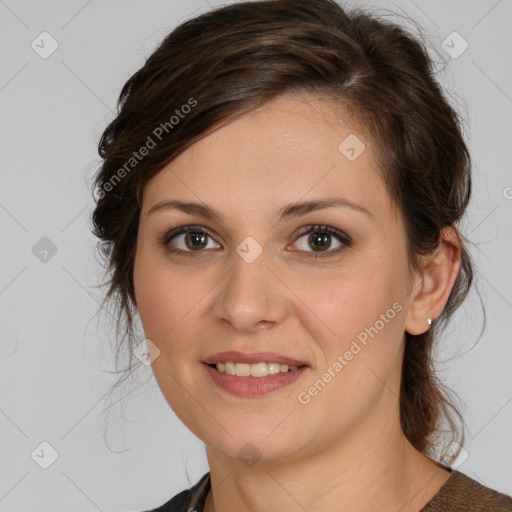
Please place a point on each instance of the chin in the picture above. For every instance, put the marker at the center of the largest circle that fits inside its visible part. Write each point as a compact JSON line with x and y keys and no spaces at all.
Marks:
{"x":274,"y":436}
{"x":250,"y":450}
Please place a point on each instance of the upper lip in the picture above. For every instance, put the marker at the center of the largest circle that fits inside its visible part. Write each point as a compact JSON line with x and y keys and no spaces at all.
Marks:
{"x":252,"y":358}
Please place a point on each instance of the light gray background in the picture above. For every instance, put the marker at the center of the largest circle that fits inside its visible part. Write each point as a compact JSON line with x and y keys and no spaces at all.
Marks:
{"x":55,"y":359}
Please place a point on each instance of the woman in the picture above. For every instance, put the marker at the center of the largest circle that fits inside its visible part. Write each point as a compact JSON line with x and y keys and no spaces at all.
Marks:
{"x":279,"y":202}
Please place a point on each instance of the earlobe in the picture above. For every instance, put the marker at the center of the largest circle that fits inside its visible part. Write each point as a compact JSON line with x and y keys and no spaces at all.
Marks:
{"x":435,"y":283}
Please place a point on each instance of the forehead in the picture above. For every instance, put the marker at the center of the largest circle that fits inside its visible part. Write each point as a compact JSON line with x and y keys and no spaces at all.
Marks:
{"x":289,"y":149}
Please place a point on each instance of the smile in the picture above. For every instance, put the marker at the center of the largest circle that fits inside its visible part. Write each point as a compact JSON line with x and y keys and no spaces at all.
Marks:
{"x":253,"y":370}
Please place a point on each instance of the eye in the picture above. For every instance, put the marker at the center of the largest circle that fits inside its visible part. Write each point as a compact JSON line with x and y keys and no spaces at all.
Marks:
{"x":322,"y":239}
{"x":188,"y":239}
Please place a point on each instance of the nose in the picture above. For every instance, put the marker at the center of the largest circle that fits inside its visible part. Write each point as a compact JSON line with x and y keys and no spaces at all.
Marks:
{"x":251,"y":297}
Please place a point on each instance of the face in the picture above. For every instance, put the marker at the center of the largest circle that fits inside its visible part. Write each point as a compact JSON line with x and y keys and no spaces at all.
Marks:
{"x":324,"y":288}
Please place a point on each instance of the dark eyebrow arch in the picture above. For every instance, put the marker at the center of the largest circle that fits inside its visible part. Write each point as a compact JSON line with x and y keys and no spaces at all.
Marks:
{"x":287,"y":212}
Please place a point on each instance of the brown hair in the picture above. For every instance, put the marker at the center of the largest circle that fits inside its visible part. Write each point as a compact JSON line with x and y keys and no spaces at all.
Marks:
{"x":228,"y":61}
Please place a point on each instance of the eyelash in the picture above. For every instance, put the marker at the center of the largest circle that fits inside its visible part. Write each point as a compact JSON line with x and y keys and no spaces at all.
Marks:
{"x":344,"y":239}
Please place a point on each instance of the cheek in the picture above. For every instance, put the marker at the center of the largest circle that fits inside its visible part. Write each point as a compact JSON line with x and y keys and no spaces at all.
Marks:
{"x":359,"y":360}
{"x":344,"y":303}
{"x":165,"y":303}
{"x":356,"y":319}
{"x":162,"y":297}
{"x":171,"y":304}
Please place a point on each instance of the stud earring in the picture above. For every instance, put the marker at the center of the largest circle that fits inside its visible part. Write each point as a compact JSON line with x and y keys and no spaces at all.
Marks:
{"x":429,"y":321}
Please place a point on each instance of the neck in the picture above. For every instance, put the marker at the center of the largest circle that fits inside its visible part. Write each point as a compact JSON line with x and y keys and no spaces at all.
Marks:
{"x":373,"y":468}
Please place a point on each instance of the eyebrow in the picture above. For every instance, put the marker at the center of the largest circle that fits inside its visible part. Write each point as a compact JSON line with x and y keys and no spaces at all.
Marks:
{"x":287,"y":212}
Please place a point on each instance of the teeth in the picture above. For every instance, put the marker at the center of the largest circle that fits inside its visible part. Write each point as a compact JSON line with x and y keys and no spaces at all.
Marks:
{"x":253,"y":370}
{"x":273,"y":368}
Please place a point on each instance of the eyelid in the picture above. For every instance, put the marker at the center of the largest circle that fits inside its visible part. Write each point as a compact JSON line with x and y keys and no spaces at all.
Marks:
{"x":169,"y":235}
{"x":342,"y":237}
{"x":325,"y":228}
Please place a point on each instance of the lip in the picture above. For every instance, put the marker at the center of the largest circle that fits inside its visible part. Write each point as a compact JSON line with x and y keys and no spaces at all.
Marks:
{"x":254,"y":386}
{"x":252,"y":358}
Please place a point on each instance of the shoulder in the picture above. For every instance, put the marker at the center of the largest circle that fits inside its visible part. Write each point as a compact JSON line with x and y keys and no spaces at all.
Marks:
{"x":182,"y":502}
{"x":462,"y":493}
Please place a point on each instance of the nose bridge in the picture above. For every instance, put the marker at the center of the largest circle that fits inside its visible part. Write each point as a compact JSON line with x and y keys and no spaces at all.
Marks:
{"x":251,"y":295}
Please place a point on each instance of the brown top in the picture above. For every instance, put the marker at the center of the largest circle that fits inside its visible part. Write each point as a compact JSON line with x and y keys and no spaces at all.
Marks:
{"x":458,"y":494}
{"x":461,"y":493}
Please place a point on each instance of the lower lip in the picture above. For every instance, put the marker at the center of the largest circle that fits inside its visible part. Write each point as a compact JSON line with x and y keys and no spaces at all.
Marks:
{"x":253,"y":386}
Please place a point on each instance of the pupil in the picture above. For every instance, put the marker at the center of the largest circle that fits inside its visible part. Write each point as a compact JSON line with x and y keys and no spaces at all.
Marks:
{"x":197,"y":239}
{"x":319,"y":240}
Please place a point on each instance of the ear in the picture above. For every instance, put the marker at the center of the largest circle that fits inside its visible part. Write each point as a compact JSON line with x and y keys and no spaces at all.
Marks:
{"x":433,"y":285}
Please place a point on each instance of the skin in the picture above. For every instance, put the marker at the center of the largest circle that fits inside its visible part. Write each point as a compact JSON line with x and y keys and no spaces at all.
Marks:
{"x":345,"y":448}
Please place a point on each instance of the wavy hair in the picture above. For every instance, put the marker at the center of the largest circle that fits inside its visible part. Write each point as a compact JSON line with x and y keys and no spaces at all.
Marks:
{"x":230,"y":60}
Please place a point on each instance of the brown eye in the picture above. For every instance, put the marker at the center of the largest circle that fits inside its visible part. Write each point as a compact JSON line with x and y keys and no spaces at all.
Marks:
{"x":188,"y":239}
{"x":322,"y":241}
{"x":319,"y":241}
{"x":195,"y":240}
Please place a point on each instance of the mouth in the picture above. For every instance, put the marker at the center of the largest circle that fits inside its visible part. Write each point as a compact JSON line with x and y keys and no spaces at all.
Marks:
{"x":256,"y":364}
{"x":250,"y":374}
{"x":257,"y":370}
